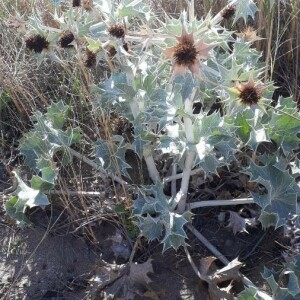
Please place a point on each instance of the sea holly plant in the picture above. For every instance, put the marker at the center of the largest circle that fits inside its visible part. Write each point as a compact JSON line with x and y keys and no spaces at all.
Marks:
{"x":39,"y":146}
{"x":192,"y":90}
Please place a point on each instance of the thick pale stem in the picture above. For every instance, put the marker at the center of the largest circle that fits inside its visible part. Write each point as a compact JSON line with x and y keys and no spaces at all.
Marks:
{"x":181,"y":196}
{"x":173,"y":183}
{"x":209,"y":203}
{"x":188,"y":124}
{"x":180,"y":175}
{"x":191,"y":4}
{"x":153,"y":173}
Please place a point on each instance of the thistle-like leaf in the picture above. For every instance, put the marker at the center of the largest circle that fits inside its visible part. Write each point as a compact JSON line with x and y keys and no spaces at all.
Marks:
{"x":284,"y":125}
{"x":291,"y":292}
{"x":243,"y":9}
{"x":155,"y":217}
{"x":231,"y":75}
{"x":280,"y":198}
{"x":111,"y":155}
{"x":211,"y":134}
{"x":47,"y":137}
{"x":25,"y":197}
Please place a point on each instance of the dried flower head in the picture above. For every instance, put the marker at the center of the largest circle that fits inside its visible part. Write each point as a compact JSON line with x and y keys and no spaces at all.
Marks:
{"x":228,"y":12}
{"x":248,"y":93}
{"x":112,"y":51}
{"x":66,"y":38}
{"x":249,"y":35}
{"x":89,"y":58}
{"x":87,"y":4}
{"x":117,"y":30}
{"x":186,"y":54}
{"x":36,"y":43}
{"x":125,"y":46}
{"x":76,"y":3}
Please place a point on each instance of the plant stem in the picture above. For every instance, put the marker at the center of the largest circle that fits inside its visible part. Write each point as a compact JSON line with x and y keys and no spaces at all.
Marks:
{"x":191,"y":4}
{"x":173,"y":183}
{"x":188,"y":124}
{"x":180,"y":198}
{"x":218,"y":202}
{"x":97,"y":167}
{"x":180,"y":175}
{"x":75,"y":193}
{"x":153,"y":173}
{"x":224,"y":260}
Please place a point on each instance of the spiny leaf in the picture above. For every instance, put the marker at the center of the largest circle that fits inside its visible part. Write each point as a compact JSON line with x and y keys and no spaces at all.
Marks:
{"x":282,"y":191}
{"x":111,"y":155}
{"x":250,"y":293}
{"x":230,"y":76}
{"x":154,"y":217}
{"x":93,"y":45}
{"x":151,"y":228}
{"x":292,"y":290}
{"x":47,"y":137}
{"x":26,"y":197}
{"x":283,"y":128}
{"x":244,"y":8}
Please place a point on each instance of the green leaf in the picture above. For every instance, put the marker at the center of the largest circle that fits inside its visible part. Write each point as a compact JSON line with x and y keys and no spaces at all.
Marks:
{"x":211,"y":133}
{"x":283,"y":129}
{"x":111,"y":155}
{"x":134,"y":8}
{"x":244,"y":8}
{"x":151,"y":228}
{"x":11,"y":209}
{"x":282,"y":191}
{"x":155,"y":217}
{"x":93,"y":45}
{"x":229,"y":76}
{"x":57,"y":114}
{"x":249,"y":293}
{"x":47,"y":137}
{"x":293,"y":284}
{"x":26,"y":197}
{"x":291,"y":292}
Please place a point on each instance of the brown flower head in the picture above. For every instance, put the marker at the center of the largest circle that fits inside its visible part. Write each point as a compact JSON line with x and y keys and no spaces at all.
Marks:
{"x":249,"y":35}
{"x":248,"y":93}
{"x":76,"y":3}
{"x":66,"y":38}
{"x":117,"y":30}
{"x":87,"y":4}
{"x":228,"y":12}
{"x":36,"y":43}
{"x":186,"y":54}
{"x":112,"y":51}
{"x":89,"y":58}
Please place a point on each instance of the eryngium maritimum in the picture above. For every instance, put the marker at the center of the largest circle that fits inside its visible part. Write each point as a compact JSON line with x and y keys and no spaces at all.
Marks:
{"x":89,"y":58}
{"x":249,"y":94}
{"x":36,"y":43}
{"x":117,"y":30}
{"x":187,"y":53}
{"x":66,"y":38}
